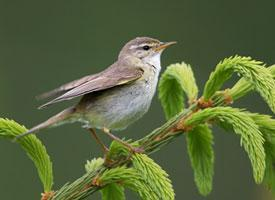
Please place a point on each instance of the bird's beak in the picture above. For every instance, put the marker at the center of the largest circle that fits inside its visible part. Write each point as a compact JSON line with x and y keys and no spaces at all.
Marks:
{"x":164,"y":45}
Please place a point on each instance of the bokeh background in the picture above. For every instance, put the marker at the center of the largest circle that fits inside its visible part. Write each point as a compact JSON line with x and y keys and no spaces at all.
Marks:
{"x":46,"y":43}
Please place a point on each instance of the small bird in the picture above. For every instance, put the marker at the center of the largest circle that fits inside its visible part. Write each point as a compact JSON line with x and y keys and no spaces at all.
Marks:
{"x":114,"y":98}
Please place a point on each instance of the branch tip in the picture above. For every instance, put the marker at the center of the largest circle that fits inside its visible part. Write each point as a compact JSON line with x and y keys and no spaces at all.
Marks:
{"x":47,"y":195}
{"x":227,"y":97}
{"x":96,"y":181}
{"x":202,"y":103}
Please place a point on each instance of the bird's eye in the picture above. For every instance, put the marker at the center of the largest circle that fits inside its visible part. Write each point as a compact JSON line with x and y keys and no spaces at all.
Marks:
{"x":146,"y":47}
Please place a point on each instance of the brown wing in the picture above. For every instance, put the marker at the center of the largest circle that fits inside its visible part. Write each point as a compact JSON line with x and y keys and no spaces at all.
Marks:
{"x":111,"y":77}
{"x":66,"y":87}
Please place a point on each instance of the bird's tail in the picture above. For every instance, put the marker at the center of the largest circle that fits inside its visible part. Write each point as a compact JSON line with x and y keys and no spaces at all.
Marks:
{"x":64,"y":116}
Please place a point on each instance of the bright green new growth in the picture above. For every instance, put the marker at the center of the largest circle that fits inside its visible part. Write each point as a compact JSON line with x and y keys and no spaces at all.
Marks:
{"x":252,"y":71}
{"x":119,"y":174}
{"x":121,"y":169}
{"x":145,"y":177}
{"x":267,"y":127}
{"x":177,"y":79}
{"x":200,"y":150}
{"x":154,"y":177}
{"x":242,"y":87}
{"x":76,"y":189}
{"x":34,"y":149}
{"x":113,"y":191}
{"x":243,"y":125}
{"x":253,"y":135}
{"x":94,"y":164}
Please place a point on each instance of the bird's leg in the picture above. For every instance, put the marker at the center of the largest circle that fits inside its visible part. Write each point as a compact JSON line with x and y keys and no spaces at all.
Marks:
{"x":102,"y":145}
{"x":130,"y":147}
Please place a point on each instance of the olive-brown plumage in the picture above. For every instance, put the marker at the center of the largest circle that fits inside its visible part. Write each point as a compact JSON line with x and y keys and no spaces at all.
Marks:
{"x":115,"y":97}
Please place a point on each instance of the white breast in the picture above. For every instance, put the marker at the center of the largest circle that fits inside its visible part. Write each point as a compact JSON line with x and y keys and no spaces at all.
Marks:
{"x":153,"y":60}
{"x":124,"y":105}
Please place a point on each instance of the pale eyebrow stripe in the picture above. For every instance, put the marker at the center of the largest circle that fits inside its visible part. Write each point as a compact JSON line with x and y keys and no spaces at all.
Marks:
{"x":133,"y":46}
{"x":140,"y":45}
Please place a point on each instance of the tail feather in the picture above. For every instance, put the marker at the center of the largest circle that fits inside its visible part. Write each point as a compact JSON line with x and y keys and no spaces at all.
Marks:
{"x":58,"y":119}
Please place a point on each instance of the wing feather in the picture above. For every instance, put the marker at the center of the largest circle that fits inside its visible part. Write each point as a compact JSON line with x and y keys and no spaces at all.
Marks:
{"x":109,"y":78}
{"x":66,"y":87}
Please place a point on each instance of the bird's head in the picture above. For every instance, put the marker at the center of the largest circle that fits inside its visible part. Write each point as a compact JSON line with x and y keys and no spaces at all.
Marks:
{"x":144,"y":48}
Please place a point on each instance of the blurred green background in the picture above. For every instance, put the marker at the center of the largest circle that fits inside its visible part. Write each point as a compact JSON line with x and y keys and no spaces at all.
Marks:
{"x":46,"y":43}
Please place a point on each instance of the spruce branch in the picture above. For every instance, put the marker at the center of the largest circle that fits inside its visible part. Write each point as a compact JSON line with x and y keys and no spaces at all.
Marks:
{"x":154,"y":177}
{"x":122,"y":169}
{"x":251,"y":70}
{"x":151,"y":143}
{"x":34,"y":149}
{"x":242,"y":124}
{"x":169,"y":131}
{"x":178,"y":79}
{"x":113,"y":191}
{"x":267,"y":127}
{"x":199,"y":144}
{"x":243,"y":87}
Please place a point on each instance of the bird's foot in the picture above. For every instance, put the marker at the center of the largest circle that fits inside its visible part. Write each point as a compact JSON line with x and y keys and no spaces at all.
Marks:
{"x":102,"y":145}
{"x":129,"y":146}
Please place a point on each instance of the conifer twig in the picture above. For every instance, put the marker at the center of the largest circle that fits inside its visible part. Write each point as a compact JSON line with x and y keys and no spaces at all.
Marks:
{"x":159,"y":137}
{"x":150,"y":144}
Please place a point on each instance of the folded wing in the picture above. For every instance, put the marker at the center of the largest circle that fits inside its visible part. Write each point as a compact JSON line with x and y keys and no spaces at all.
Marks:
{"x":66,"y":87}
{"x":111,"y":77}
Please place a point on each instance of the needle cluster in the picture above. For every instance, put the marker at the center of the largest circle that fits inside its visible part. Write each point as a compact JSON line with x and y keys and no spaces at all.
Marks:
{"x":185,"y":113}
